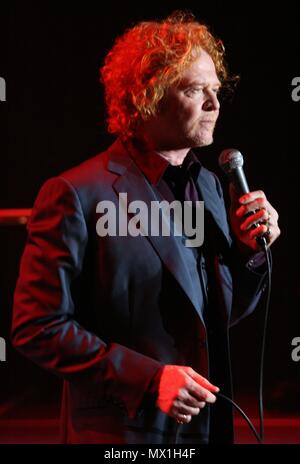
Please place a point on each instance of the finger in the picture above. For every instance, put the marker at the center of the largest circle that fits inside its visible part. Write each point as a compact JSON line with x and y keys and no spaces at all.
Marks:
{"x":199,"y":392}
{"x":202,"y":404}
{"x":260,"y":216}
{"x":260,"y":230}
{"x":183,"y":418}
{"x":202,"y":381}
{"x":251,"y":207}
{"x":252,"y":196}
{"x":180,"y":408}
{"x":270,"y":232}
{"x":273,"y":212}
{"x":256,"y":200}
{"x":189,"y":400}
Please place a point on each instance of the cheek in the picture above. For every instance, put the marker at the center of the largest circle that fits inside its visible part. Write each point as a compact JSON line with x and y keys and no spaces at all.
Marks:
{"x":181,"y":113}
{"x":186,"y":114}
{"x":190,"y":119}
{"x":192,"y":111}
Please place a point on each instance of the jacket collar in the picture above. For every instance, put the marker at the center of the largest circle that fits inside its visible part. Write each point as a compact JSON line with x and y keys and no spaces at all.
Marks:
{"x":138,"y":187}
{"x":120,"y":162}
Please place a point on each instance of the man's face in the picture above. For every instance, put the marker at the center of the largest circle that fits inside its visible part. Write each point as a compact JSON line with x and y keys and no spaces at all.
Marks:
{"x":190,"y":109}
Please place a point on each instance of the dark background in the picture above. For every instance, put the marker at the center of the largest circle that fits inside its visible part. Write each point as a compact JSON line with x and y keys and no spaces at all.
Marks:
{"x":54,"y":118}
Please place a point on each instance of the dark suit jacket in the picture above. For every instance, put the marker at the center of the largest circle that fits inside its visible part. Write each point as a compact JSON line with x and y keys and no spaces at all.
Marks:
{"x":104,"y":313}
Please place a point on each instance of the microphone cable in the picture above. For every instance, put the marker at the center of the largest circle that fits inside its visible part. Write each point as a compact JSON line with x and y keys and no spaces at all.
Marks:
{"x":260,"y":436}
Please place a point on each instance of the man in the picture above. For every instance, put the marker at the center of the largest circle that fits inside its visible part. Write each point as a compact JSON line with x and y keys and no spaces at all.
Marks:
{"x":137,"y":324}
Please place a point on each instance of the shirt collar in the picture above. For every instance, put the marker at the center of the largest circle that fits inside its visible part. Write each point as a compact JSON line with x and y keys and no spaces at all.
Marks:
{"x":154,"y":166}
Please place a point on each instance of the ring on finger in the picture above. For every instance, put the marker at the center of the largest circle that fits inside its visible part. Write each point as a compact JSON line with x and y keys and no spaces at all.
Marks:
{"x":265,"y":221}
{"x":268,"y":213}
{"x":180,"y":421}
{"x":268,"y":230}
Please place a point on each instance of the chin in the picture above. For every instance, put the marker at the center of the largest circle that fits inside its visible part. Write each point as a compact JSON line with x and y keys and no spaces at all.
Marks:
{"x":203,"y":142}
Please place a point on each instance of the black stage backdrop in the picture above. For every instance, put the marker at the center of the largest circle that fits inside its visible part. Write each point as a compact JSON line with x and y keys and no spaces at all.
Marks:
{"x":54,"y":117}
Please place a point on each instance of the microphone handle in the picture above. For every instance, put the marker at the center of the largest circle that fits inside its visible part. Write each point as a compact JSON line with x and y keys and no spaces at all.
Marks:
{"x":239,"y":181}
{"x":238,"y":178}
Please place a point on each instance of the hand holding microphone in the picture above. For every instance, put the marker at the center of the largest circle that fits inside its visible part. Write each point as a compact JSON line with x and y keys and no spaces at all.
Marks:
{"x":253,"y":218}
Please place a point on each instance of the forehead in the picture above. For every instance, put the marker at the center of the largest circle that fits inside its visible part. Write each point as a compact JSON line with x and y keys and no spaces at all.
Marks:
{"x":202,"y":70}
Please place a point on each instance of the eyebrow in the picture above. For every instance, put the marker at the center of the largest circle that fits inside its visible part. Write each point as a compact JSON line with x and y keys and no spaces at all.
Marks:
{"x":215,"y":84}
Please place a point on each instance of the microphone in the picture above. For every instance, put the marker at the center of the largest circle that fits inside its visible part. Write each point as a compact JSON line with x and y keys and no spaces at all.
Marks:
{"x":231,"y":162}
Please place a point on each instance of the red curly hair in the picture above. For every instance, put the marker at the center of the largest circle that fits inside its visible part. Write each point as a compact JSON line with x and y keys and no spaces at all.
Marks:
{"x":146,"y":60}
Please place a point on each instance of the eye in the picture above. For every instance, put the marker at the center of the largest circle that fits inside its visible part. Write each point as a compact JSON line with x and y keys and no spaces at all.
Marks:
{"x":192,"y":91}
{"x":216,"y":90}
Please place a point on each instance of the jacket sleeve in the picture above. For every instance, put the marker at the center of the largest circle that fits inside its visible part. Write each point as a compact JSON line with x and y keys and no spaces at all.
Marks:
{"x":44,"y":327}
{"x":249,"y":277}
{"x":249,"y":284}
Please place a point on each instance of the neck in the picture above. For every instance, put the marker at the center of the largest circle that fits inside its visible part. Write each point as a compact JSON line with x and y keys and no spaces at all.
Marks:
{"x":174,"y":157}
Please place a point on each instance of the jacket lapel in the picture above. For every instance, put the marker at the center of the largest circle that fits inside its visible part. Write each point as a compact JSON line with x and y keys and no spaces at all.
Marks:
{"x":132,"y":182}
{"x":213,"y":203}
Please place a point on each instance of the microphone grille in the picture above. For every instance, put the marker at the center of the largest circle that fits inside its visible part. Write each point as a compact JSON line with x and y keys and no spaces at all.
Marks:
{"x":230,"y":159}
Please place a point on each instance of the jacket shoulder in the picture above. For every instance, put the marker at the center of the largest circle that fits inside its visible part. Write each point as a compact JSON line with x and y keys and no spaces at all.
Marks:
{"x":212,"y":181}
{"x":88,"y":182}
{"x":87,"y":172}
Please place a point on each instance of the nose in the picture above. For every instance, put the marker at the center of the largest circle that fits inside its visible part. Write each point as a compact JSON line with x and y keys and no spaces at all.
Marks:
{"x":211,"y":102}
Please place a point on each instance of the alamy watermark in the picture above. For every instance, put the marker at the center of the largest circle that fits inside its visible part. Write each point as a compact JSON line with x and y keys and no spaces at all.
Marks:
{"x":162,"y":219}
{"x":295,"y":354}
{"x":2,"y":89}
{"x":2,"y":349}
{"x":296,"y":89}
